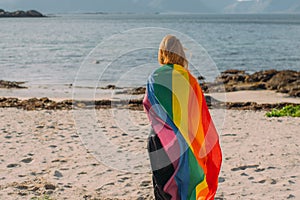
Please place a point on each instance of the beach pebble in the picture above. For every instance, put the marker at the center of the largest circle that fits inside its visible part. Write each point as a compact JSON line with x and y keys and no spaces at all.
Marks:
{"x":22,"y":193}
{"x":8,"y":137}
{"x":58,"y":174}
{"x":291,"y":196}
{"x":50,"y":186}
{"x":27,"y":160}
{"x":291,"y":182}
{"x":145,"y":183}
{"x":22,"y":187}
{"x":13,"y":165}
{"x":273,"y":182}
{"x":96,"y":62}
{"x":262,"y":181}
{"x":244,"y":174}
{"x":221,"y":179}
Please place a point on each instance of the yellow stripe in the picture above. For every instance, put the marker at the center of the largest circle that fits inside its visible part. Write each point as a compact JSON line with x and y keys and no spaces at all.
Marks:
{"x":201,"y":188}
{"x":180,"y":99}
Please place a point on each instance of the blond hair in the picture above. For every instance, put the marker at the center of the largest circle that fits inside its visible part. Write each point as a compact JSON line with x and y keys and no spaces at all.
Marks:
{"x":171,"y":52}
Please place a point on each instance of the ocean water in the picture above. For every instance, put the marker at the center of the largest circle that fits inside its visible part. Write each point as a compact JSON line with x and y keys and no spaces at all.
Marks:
{"x":50,"y":51}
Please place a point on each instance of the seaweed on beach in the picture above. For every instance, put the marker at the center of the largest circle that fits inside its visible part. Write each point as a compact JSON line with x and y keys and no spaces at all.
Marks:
{"x":289,"y":110}
{"x":45,"y":197}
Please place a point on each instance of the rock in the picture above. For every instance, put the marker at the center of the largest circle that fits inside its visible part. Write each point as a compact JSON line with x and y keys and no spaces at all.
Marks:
{"x":211,"y":101}
{"x":231,"y":76}
{"x":201,"y":78}
{"x":50,"y":186}
{"x":21,"y":13}
{"x":36,"y":104}
{"x":248,"y":86}
{"x":145,"y":183}
{"x":13,"y":165}
{"x":295,"y":92}
{"x":58,"y":174}
{"x":22,"y":187}
{"x":18,"y":13}
{"x":45,"y":100}
{"x":137,"y":91}
{"x":221,"y":179}
{"x":96,"y":62}
{"x":105,"y":102}
{"x":34,"y":13}
{"x":262,"y":76}
{"x":286,"y":81}
{"x":11,"y":84}
{"x":27,"y":160}
{"x":291,"y":196}
{"x":255,"y":106}
{"x":233,"y":71}
{"x":109,"y":87}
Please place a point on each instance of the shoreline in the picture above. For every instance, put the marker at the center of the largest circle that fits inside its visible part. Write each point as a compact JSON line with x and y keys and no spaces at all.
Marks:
{"x":242,"y":100}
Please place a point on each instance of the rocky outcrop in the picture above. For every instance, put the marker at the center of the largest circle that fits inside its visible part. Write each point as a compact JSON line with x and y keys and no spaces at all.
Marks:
{"x":255,"y":106}
{"x":35,"y":104}
{"x":11,"y":84}
{"x":21,"y":13}
{"x":133,"y":104}
{"x":47,"y":104}
{"x":286,"y":81}
{"x":131,"y":91}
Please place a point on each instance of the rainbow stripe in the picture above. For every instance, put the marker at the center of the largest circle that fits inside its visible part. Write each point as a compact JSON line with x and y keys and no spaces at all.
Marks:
{"x":179,"y":116}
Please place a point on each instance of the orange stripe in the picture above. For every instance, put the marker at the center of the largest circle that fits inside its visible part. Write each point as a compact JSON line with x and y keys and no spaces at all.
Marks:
{"x":195,"y":128}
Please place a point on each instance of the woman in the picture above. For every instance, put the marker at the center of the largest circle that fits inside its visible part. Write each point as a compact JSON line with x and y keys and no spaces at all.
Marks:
{"x":183,"y":146}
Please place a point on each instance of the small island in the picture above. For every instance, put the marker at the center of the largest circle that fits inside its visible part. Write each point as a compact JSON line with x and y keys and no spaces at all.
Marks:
{"x":21,"y":13}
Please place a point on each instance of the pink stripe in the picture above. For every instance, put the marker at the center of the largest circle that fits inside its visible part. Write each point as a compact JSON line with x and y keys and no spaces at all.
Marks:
{"x":169,"y":142}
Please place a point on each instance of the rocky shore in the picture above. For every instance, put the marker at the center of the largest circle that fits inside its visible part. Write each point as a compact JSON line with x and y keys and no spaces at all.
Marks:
{"x":285,"y":81}
{"x":21,"y":13}
{"x":133,"y":104}
{"x":11,"y":84}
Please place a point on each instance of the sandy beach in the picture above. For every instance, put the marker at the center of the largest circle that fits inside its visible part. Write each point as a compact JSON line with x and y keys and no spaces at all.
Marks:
{"x":43,"y":154}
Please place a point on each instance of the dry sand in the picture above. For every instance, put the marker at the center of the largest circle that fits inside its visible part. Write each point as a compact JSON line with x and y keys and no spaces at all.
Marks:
{"x":41,"y":153}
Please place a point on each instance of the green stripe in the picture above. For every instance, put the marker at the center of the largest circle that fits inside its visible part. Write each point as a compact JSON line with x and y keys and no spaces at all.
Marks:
{"x":163,"y":87}
{"x":196,"y":174}
{"x":193,"y":195}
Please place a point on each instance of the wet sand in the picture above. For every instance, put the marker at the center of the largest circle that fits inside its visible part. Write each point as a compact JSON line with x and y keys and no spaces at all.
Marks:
{"x":258,"y":96}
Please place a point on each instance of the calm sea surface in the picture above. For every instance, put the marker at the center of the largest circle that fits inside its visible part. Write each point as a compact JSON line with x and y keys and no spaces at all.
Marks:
{"x":49,"y":51}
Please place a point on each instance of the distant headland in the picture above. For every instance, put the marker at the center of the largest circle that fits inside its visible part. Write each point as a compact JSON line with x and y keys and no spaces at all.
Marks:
{"x":21,"y":13}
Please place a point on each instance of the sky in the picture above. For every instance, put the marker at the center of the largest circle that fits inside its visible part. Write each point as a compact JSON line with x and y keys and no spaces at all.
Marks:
{"x":151,"y":6}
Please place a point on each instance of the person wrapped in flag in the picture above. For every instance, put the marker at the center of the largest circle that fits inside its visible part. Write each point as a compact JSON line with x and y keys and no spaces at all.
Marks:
{"x":183,"y":145}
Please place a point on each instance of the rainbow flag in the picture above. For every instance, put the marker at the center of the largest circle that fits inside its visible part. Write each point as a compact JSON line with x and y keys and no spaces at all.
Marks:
{"x":179,"y":115}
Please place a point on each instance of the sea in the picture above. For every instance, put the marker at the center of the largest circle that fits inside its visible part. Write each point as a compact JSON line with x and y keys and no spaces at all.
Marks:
{"x":91,"y":50}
